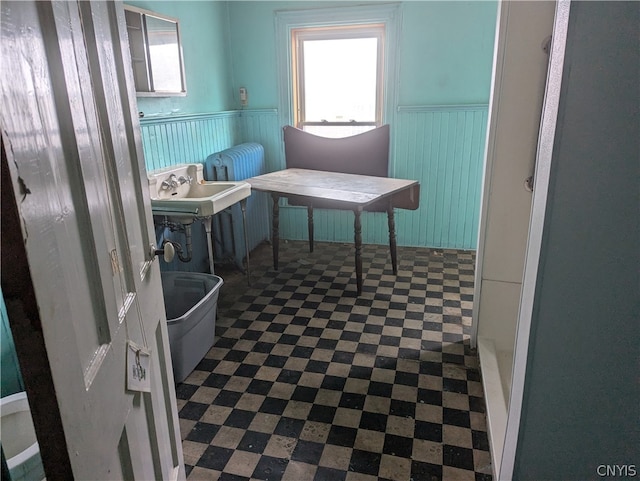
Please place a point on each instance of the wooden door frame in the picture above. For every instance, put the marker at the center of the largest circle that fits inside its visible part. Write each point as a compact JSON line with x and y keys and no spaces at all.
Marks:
{"x":26,"y":328}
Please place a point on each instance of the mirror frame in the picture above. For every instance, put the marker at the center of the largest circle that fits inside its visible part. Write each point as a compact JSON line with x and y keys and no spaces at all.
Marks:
{"x":141,"y":61}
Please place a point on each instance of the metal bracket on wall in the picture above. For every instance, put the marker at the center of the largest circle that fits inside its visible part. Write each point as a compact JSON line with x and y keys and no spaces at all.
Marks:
{"x":546,"y":45}
{"x":528,"y":183}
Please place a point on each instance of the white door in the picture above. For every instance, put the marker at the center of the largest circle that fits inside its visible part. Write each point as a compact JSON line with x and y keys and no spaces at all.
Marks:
{"x":74,"y":150}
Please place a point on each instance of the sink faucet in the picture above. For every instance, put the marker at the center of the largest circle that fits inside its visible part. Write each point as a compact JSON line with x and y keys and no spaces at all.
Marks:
{"x":170,"y":183}
{"x":185,"y":180}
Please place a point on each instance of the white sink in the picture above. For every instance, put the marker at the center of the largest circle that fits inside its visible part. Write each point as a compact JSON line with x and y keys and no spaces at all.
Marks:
{"x":181,"y":192}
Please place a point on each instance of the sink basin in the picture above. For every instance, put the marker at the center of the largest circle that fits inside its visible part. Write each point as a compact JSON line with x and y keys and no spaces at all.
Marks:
{"x":181,"y":192}
{"x":203,"y":200}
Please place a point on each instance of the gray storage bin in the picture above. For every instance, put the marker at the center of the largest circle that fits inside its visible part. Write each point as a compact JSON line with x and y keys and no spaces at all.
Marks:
{"x":191,"y":302}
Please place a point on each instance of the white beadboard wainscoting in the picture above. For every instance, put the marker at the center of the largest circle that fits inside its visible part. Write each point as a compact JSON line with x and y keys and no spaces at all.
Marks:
{"x":440,"y":146}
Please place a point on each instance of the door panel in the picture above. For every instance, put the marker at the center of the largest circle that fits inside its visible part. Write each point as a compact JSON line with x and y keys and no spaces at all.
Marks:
{"x":74,"y":151}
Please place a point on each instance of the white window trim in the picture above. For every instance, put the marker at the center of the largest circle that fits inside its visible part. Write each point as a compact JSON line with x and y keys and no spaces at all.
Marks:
{"x":368,"y":31}
{"x":286,"y":21}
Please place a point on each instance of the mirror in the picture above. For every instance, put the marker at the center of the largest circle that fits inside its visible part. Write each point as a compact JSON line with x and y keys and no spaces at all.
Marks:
{"x":156,"y":53}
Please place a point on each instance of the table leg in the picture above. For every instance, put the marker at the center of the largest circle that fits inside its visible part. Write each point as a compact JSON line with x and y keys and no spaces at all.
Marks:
{"x":392,"y":239}
{"x":310,"y":225}
{"x":275,"y":225}
{"x":357,"y":228}
{"x":243,"y":207}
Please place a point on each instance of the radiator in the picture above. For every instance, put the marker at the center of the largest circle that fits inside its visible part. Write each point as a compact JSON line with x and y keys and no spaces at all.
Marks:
{"x":239,"y":163}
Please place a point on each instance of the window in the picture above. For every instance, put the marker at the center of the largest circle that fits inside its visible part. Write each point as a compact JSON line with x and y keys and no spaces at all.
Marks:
{"x":302,"y":103}
{"x":338,"y":79}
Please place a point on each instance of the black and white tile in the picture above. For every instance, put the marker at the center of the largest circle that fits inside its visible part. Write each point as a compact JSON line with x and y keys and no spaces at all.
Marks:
{"x":308,"y":381}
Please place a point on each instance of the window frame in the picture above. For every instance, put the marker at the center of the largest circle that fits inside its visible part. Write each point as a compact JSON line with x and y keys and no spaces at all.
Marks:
{"x":388,"y":14}
{"x":341,"y":32}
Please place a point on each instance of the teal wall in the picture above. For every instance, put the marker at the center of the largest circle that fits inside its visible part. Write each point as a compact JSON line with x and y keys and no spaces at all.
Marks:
{"x":445,"y":61}
{"x":187,"y":138}
{"x":438,"y":136}
{"x":581,"y":401}
{"x":10,"y":380}
{"x":203,"y":30}
{"x":446,"y":50}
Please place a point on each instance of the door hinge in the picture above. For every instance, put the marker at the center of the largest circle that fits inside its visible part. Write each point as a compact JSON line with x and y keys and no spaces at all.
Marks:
{"x":115,"y":265}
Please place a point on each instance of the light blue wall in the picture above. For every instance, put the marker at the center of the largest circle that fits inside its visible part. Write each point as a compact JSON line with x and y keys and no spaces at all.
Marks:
{"x":445,"y":61}
{"x":446,"y":50}
{"x":204,"y":30}
{"x":438,"y":137}
{"x":187,"y":138}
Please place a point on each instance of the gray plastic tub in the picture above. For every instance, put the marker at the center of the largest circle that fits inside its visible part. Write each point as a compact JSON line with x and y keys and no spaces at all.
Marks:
{"x":191,"y":303}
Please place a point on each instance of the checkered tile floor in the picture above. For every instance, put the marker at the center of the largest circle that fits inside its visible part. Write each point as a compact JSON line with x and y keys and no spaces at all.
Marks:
{"x":307,"y":381}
